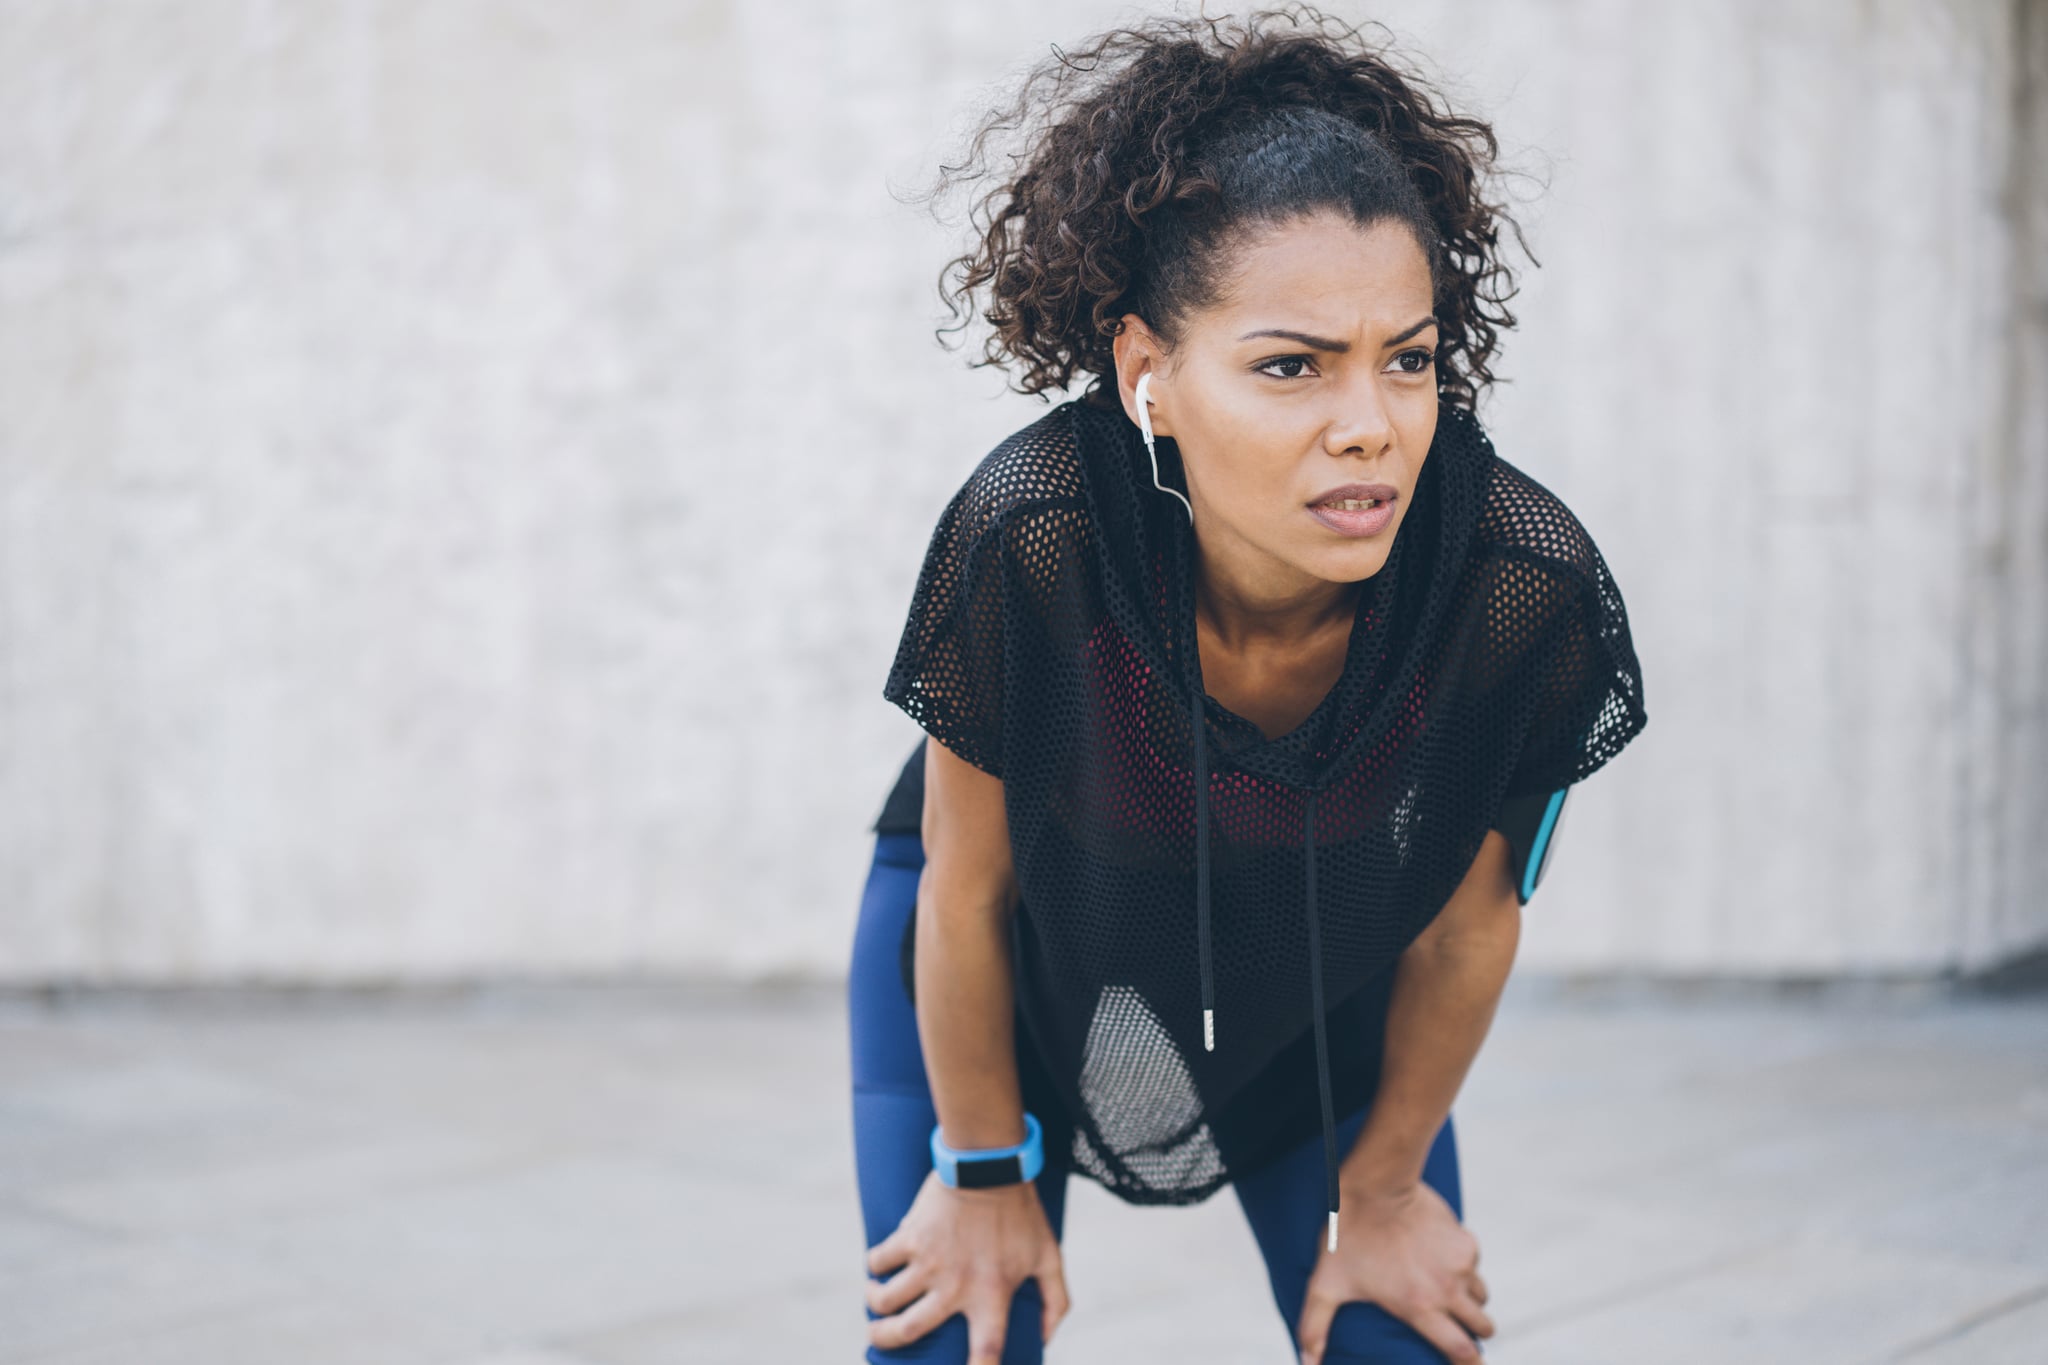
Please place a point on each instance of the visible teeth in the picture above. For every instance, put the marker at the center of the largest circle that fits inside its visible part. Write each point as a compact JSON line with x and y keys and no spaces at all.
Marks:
{"x":1353,"y":504}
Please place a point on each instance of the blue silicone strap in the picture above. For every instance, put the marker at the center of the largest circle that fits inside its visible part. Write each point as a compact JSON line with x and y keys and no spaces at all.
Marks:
{"x":1030,"y":1153}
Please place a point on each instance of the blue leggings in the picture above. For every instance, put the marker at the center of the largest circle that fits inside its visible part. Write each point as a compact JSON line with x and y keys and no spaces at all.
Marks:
{"x":893,"y":1118}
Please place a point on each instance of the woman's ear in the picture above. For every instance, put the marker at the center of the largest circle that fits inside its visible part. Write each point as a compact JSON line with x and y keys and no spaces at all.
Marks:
{"x":1137,"y":352}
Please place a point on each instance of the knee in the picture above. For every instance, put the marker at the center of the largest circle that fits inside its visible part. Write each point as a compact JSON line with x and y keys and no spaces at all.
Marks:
{"x":1367,"y":1334}
{"x":947,"y":1343}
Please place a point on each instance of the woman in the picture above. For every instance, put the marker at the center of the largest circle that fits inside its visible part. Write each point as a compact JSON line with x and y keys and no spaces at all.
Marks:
{"x":1253,"y":680}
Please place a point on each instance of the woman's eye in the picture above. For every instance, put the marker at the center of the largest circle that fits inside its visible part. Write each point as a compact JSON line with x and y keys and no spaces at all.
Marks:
{"x":1422,"y":357}
{"x":1297,"y":361}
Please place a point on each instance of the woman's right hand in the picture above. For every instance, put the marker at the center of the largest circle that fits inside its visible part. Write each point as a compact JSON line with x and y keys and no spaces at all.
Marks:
{"x":965,"y":1251}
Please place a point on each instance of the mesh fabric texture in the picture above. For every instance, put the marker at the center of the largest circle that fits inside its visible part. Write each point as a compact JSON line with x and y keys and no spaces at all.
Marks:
{"x":1050,"y":642}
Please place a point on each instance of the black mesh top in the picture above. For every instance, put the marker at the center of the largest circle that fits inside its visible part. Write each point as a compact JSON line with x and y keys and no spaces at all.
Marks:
{"x":1208,"y":919}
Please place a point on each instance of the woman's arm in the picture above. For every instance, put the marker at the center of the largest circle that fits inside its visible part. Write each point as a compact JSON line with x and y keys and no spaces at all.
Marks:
{"x":966,"y":1250}
{"x":1446,"y":987}
{"x":1407,"y":1251}
{"x":965,"y":995}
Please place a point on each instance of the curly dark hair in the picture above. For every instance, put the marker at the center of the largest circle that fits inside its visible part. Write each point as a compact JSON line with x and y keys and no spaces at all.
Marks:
{"x":1151,"y":150}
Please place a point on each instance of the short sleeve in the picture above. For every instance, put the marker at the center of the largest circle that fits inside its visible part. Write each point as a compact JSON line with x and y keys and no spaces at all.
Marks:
{"x":1582,"y":686}
{"x":1004,"y":566}
{"x":949,"y":670}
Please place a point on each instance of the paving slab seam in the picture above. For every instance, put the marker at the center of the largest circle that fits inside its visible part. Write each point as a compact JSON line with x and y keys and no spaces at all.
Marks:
{"x":1545,"y":1320}
{"x":137,"y":1334}
{"x":847,"y":1287}
{"x":2005,"y":1307}
{"x":28,"y":1208}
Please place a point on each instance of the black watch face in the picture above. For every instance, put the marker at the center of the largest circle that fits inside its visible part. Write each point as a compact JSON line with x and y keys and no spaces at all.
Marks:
{"x":977,"y":1175}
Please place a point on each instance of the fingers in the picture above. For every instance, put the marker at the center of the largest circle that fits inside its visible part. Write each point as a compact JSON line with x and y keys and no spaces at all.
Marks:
{"x":913,"y":1322}
{"x":1466,"y":1302}
{"x":1465,"y":1308}
{"x":1313,"y":1331}
{"x":1447,"y":1336}
{"x":986,"y":1325}
{"x":890,"y":1295}
{"x":890,"y":1252}
{"x":1052,"y":1287}
{"x":1445,"y":1328}
{"x":987,"y":1314}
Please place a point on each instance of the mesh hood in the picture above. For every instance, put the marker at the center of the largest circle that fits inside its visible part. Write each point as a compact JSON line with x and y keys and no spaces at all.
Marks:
{"x":1171,"y":859}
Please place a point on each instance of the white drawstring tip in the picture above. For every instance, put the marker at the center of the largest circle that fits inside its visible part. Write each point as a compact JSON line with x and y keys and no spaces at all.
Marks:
{"x":1209,"y":1030}
{"x":1333,"y":1229}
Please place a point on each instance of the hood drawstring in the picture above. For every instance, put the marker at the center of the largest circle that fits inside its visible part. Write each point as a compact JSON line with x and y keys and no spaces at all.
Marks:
{"x":1199,"y":724}
{"x":1201,"y":728}
{"x":1315,"y":985}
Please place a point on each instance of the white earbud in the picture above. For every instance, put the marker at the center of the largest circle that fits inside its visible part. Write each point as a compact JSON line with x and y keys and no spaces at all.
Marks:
{"x":1145,"y":430}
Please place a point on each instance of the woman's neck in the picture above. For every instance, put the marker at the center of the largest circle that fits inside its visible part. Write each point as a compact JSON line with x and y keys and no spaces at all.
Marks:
{"x":1271,"y":642}
{"x":1248,"y":599}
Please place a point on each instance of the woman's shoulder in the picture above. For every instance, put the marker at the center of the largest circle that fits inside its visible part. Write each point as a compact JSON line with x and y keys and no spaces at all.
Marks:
{"x":1025,"y":505}
{"x":1537,"y":570}
{"x":1034,"y":470}
{"x":1007,"y":558}
{"x":1521,"y":518}
{"x":1556,"y":629}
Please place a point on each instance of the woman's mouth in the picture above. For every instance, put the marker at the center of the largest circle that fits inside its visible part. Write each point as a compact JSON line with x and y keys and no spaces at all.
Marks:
{"x":1356,"y":509}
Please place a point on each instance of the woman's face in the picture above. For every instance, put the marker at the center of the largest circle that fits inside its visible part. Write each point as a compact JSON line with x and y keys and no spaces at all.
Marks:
{"x":1306,"y":392}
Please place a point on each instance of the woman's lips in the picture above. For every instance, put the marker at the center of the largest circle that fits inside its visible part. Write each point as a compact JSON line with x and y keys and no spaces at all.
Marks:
{"x":1356,"y":509}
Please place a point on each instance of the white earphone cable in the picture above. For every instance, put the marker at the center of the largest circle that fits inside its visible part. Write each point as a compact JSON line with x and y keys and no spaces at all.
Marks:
{"x":1145,"y":429}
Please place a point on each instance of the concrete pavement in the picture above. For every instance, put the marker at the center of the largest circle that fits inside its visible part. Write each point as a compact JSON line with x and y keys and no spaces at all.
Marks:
{"x":638,"y":1175}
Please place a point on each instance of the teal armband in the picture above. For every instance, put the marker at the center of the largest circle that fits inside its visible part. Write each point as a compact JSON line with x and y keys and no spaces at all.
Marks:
{"x":1531,"y":824}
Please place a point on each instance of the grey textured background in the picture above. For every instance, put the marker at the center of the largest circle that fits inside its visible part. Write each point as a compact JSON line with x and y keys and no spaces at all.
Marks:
{"x":462,"y":468}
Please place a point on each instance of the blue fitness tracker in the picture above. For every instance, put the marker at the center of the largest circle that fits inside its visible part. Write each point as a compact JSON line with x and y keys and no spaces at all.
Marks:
{"x":978,"y":1168}
{"x":1530,"y":824}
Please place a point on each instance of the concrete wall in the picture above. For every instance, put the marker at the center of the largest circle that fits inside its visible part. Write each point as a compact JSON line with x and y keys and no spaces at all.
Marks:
{"x":463,"y":465}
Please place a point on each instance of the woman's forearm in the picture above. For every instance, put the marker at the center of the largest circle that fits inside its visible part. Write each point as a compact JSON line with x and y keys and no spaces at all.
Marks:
{"x":966,"y":997}
{"x":965,"y":1019}
{"x":1446,"y":988}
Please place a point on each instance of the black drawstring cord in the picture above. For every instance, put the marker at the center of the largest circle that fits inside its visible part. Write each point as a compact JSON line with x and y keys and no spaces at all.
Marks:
{"x":1200,"y":723}
{"x":1315,"y":982}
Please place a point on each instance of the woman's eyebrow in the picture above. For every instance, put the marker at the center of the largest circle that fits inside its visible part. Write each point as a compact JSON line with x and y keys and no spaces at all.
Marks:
{"x":1316,"y":343}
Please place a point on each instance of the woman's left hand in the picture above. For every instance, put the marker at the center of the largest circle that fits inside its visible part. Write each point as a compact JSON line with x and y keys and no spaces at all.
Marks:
{"x":1408,"y":1253}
